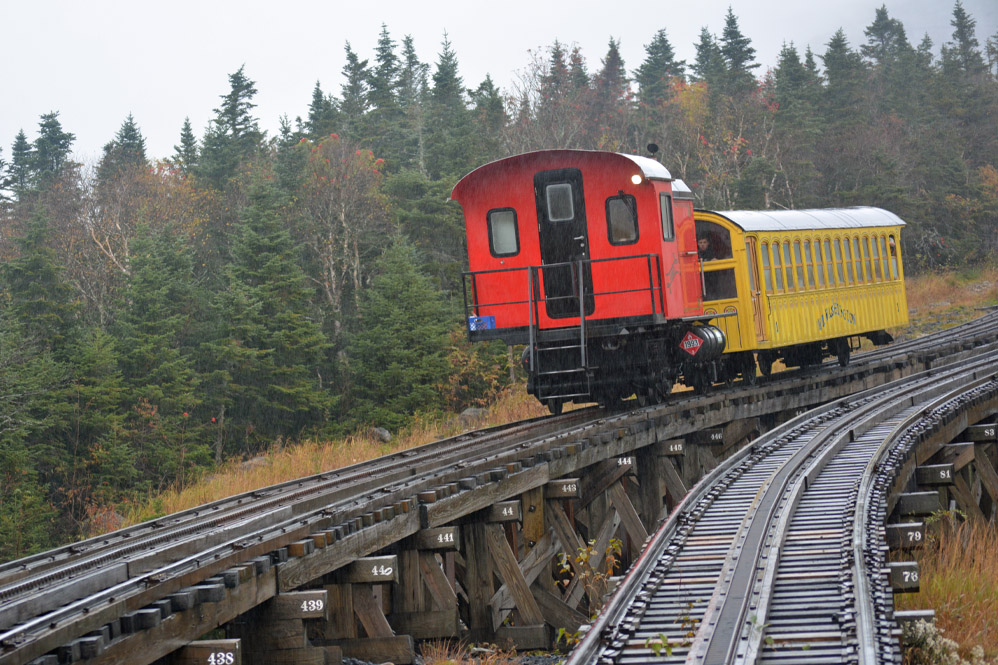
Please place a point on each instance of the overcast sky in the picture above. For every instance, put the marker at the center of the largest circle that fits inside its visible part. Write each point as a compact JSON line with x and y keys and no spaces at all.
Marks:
{"x":96,"y":61}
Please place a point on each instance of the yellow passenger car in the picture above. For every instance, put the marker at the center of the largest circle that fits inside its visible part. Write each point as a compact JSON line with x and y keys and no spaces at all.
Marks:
{"x":799,"y":285}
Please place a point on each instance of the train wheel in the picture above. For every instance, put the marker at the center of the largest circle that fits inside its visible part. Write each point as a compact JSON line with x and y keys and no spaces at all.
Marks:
{"x":701,"y":384}
{"x":842,"y":352}
{"x":644,"y":396}
{"x":555,"y":406}
{"x":663,"y":388}
{"x":749,"y":375}
{"x":765,"y":364}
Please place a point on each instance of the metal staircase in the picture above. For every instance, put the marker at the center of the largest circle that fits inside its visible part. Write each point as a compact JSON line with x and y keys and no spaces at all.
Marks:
{"x":557,"y":377}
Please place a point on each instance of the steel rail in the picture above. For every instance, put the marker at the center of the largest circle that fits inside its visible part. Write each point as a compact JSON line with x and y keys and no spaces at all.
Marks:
{"x":752,"y":553}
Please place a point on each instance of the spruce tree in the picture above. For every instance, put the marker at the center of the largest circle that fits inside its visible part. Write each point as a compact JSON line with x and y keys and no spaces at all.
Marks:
{"x":448,"y":144}
{"x":233,"y":135}
{"x":21,"y":169}
{"x":654,"y":76}
{"x":738,"y":56}
{"x":322,"y":114}
{"x":185,"y":153}
{"x":709,"y":64}
{"x":269,"y":350}
{"x":397,"y":358}
{"x":963,"y":55}
{"x":126,"y":152}
{"x":156,"y":358}
{"x":354,"y":94}
{"x":51,"y":148}
{"x":413,"y":89}
{"x":30,"y":375}
{"x":609,"y":101}
{"x":38,"y":293}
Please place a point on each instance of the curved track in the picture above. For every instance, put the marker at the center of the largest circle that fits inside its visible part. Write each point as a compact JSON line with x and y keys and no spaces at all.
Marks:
{"x":769,"y":560}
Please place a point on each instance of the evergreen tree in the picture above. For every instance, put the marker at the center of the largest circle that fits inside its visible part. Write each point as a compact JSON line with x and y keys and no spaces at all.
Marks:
{"x":322,"y":114}
{"x":886,"y":39}
{"x":709,"y":64}
{"x":398,"y":356}
{"x":448,"y":144}
{"x":490,"y":118}
{"x":963,"y":54}
{"x":383,"y":80}
{"x":413,"y":90}
{"x":844,"y":78}
{"x":385,"y":129}
{"x":738,"y":56}
{"x":654,"y":76}
{"x":6,"y":180}
{"x":155,"y":356}
{"x":21,"y":164}
{"x":51,"y":148}
{"x":185,"y":153}
{"x":578,"y":75}
{"x":27,"y":519}
{"x":38,"y":294}
{"x":233,"y":135}
{"x":448,"y":88}
{"x":610,"y":98}
{"x":267,"y":380}
{"x":126,"y":152}
{"x":101,"y":466}
{"x":355,"y":101}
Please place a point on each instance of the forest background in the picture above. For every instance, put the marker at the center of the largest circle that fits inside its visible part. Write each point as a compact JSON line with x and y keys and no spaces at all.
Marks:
{"x":159,"y":317}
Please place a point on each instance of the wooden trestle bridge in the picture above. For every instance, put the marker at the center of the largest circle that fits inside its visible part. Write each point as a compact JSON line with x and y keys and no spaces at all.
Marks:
{"x":461,"y":539}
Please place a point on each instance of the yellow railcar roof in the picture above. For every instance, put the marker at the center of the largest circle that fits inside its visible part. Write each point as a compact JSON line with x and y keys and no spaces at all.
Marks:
{"x":806,"y":220}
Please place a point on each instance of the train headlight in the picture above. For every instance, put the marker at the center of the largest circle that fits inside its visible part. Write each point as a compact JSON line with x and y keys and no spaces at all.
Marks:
{"x":636,"y":179}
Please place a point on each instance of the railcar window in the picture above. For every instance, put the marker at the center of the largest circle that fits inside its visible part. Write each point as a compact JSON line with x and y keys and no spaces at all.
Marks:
{"x":504,"y":239}
{"x":894,"y":256}
{"x":850,"y":277}
{"x":830,"y":262}
{"x":857,"y":256}
{"x":875,"y":255}
{"x":751,"y":263}
{"x":788,"y":263}
{"x":719,"y":285}
{"x":803,"y":262}
{"x":767,"y":276}
{"x":883,"y":258}
{"x":559,"y":200}
{"x":865,"y":244}
{"x":843,"y":272}
{"x":819,"y":263}
{"x":713,"y":241}
{"x":621,"y":223}
{"x":668,"y":227}
{"x":777,"y":266}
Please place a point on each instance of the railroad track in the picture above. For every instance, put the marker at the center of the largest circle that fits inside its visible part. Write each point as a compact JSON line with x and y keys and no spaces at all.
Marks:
{"x":776,"y":556}
{"x":44,"y":597}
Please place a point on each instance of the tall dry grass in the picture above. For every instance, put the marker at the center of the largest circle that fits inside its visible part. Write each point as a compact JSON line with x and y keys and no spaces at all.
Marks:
{"x":946,"y":299}
{"x":288,"y":462}
{"x":449,"y":652}
{"x":958,"y":578}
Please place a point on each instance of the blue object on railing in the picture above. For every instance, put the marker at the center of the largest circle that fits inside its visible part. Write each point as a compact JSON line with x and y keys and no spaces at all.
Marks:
{"x":481,"y":323}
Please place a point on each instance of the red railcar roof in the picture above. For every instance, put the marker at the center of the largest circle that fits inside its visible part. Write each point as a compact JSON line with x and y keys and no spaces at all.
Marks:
{"x":650,"y":169}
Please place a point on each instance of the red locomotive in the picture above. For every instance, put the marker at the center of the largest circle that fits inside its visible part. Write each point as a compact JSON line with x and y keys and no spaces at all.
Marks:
{"x":590,"y":260}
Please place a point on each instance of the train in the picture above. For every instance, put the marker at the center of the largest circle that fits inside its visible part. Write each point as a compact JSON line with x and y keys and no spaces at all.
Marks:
{"x":599,"y":264}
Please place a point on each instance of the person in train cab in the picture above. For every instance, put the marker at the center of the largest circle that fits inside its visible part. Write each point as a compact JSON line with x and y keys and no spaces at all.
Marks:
{"x":705,"y":247}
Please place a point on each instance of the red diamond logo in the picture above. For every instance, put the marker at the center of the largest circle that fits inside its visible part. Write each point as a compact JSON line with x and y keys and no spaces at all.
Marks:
{"x":691,"y":343}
